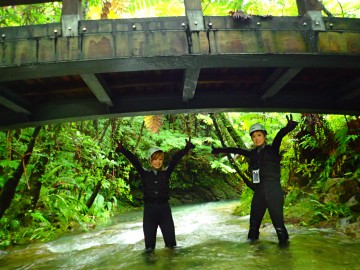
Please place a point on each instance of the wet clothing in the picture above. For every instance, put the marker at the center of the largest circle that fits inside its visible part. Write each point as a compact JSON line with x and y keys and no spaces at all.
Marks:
{"x":268,"y":193}
{"x":156,"y":189}
{"x":158,"y":214}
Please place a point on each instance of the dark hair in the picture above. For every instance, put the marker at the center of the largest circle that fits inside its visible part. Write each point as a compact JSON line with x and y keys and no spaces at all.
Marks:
{"x":263,"y":131}
{"x":157,"y":155}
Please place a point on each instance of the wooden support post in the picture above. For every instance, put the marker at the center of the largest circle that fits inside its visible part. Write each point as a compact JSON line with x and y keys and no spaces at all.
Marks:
{"x":306,"y":5}
{"x":194,"y":15}
{"x":312,"y":8}
{"x":71,"y":14}
{"x":190,"y":82}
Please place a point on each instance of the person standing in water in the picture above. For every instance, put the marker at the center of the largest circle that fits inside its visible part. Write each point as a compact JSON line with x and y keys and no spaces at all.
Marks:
{"x":156,"y":188}
{"x":264,"y":162}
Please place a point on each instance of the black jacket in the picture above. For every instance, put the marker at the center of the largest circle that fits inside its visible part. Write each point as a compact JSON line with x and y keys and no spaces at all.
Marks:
{"x":155,"y":183}
{"x":266,"y":158}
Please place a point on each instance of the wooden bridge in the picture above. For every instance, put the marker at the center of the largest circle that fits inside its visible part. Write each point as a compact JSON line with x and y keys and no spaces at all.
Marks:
{"x":78,"y":69}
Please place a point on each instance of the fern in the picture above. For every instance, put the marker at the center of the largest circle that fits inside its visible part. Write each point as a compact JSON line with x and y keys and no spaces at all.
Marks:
{"x":153,"y":123}
{"x":38,"y":216}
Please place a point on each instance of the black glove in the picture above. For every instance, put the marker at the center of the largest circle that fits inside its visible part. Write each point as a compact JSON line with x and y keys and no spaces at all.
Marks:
{"x":189,"y":145}
{"x":291,"y":123}
{"x":215,"y":150}
{"x":119,"y":147}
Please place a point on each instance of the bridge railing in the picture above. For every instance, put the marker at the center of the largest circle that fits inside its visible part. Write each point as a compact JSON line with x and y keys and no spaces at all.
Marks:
{"x":173,"y":36}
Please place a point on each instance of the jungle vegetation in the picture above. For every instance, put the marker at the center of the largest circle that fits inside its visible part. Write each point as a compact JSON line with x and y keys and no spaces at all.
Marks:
{"x":61,"y":177}
{"x":68,"y":175}
{"x":117,"y":9}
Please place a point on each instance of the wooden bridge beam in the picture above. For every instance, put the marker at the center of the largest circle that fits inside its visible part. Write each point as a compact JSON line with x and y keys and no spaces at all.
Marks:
{"x":279,"y":83}
{"x":97,"y":88}
{"x":71,"y":15}
{"x":193,"y":11}
{"x":105,"y":39}
{"x":190,"y":83}
{"x":195,"y":20}
{"x":12,"y":101}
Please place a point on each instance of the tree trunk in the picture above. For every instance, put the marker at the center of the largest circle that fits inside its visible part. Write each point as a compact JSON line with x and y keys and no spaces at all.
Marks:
{"x":104,"y":131}
{"x":9,"y":189}
{"x":94,"y":194}
{"x":35,"y":184}
{"x":243,"y":176}
{"x":234,"y":135}
{"x":140,"y":135}
{"x":98,"y":185}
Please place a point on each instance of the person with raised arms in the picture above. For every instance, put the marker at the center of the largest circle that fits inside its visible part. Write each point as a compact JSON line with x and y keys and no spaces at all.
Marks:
{"x":156,"y":188}
{"x":264,"y":163}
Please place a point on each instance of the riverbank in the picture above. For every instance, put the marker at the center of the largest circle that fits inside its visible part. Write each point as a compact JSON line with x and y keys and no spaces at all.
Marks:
{"x":304,"y":213}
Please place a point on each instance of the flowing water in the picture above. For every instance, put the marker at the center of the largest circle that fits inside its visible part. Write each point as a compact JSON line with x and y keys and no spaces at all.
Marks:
{"x":209,"y":237}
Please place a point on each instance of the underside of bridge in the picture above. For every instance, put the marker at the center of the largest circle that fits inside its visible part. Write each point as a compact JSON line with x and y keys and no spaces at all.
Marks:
{"x":115,"y":68}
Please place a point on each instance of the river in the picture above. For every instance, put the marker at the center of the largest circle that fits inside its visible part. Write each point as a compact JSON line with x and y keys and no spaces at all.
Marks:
{"x":209,"y":237}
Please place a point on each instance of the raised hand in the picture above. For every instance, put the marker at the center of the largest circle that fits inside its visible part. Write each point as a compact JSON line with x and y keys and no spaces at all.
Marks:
{"x":214,"y":150}
{"x":189,"y":145}
{"x":291,"y":122}
{"x":119,"y":147}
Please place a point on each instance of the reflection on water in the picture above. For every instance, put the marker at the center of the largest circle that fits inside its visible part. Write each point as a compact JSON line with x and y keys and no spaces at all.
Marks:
{"x":209,"y":237}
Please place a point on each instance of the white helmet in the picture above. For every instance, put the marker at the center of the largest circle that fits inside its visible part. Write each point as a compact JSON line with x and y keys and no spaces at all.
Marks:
{"x":153,"y":150}
{"x":257,"y":127}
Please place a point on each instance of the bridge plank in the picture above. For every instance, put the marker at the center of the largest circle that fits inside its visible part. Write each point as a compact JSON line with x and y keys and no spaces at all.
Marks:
{"x":12,"y":105}
{"x":280,"y":83}
{"x":336,"y":42}
{"x":97,"y":88}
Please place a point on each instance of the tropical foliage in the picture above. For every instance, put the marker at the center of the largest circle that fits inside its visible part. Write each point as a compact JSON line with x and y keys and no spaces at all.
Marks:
{"x":75,"y":179}
{"x":115,"y":9}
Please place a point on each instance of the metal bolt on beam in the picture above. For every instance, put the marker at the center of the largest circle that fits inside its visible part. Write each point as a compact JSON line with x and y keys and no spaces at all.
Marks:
{"x":304,"y":24}
{"x":55,"y":32}
{"x":134,"y":27}
{"x":84,"y":29}
{"x":183,"y":25}
{"x":3,"y":36}
{"x":317,"y":21}
{"x":258,"y":23}
{"x":210,"y":25}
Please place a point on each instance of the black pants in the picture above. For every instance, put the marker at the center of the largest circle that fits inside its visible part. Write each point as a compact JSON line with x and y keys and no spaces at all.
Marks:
{"x":268,"y":195}
{"x":158,"y":214}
